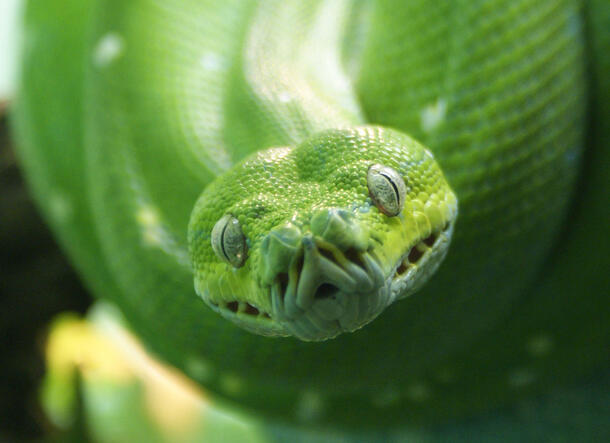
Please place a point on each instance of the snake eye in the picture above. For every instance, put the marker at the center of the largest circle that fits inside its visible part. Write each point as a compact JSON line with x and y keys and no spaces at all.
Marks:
{"x":387,"y":189}
{"x":229,"y":242}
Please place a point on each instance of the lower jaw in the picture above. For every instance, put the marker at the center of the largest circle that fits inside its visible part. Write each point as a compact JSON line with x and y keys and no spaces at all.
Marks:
{"x":361,"y":309}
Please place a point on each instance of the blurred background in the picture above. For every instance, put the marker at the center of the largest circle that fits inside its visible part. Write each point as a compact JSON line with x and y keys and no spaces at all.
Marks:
{"x":36,"y":282}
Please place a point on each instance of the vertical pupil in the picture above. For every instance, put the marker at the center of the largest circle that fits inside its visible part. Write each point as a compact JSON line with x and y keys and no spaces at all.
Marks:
{"x":394,"y":187}
{"x":222,"y":240}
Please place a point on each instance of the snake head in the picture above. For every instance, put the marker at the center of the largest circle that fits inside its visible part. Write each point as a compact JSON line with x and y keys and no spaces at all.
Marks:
{"x":318,"y":239}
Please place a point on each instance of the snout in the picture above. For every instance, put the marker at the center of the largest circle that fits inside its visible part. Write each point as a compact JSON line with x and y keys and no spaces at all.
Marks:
{"x":325,"y":281}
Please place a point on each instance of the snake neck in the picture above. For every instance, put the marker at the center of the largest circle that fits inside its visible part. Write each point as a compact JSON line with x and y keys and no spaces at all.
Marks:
{"x":294,"y":69}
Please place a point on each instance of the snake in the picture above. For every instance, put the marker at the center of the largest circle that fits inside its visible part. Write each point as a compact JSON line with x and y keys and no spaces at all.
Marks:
{"x":344,"y":212}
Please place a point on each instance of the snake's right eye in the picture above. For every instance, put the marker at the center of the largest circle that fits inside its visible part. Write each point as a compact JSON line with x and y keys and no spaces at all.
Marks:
{"x":229,"y":241}
{"x":387,"y":189}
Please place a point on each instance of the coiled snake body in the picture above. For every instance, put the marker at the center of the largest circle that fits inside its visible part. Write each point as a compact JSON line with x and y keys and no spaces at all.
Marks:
{"x":334,"y":142}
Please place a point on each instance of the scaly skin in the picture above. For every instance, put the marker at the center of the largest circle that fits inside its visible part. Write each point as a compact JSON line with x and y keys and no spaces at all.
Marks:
{"x":120,"y":135}
{"x":307,"y":215}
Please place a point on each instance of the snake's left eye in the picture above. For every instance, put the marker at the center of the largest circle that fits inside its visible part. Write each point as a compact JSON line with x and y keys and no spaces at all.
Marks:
{"x":229,"y":241}
{"x":387,"y":189}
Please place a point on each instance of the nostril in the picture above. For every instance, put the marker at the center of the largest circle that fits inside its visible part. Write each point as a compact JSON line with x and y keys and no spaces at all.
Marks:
{"x":325,"y":290}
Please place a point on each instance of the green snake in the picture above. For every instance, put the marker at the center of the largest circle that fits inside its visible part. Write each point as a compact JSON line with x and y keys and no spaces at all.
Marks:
{"x":302,"y":166}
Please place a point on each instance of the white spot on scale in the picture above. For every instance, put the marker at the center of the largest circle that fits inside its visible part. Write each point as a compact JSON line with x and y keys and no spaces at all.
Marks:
{"x":109,"y":48}
{"x":199,"y":368}
{"x":433,"y":115}
{"x":521,"y":377}
{"x":285,"y":97}
{"x":211,"y":61}
{"x":60,"y":207}
{"x":418,"y":392}
{"x":310,"y":406}
{"x":231,"y":384}
{"x":148,"y":218}
{"x":540,"y":345}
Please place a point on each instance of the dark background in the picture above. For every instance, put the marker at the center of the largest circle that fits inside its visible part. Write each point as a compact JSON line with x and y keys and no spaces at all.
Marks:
{"x":36,"y":283}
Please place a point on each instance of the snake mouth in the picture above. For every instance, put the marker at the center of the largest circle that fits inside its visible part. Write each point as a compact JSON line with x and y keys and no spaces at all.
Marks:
{"x":241,"y":308}
{"x":328,"y":291}
{"x":248,"y":316}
